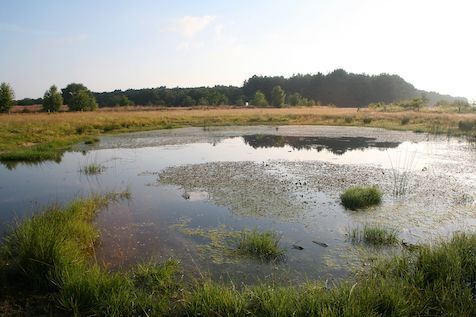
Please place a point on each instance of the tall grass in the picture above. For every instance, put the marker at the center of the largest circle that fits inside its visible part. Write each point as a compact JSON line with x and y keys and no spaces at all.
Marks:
{"x":401,"y":172}
{"x":358,"y":197}
{"x":375,"y":235}
{"x":436,"y":281}
{"x":262,"y":245}
{"x":52,"y":252}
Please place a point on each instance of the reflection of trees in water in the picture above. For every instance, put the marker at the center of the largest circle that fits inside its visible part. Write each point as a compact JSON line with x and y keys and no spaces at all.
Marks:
{"x":335,"y":145}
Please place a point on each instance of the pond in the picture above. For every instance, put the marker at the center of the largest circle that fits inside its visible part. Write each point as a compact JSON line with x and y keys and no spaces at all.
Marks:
{"x":194,"y":189}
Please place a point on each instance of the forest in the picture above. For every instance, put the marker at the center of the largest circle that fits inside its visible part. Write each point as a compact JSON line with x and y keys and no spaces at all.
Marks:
{"x":338,"y":88}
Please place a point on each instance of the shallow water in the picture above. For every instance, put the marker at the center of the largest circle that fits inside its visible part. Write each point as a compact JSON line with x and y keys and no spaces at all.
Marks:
{"x":194,"y":189}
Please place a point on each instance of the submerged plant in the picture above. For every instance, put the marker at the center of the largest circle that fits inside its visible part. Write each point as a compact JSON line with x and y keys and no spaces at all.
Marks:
{"x":92,"y":169}
{"x":263,"y":245}
{"x":358,"y":197}
{"x":375,"y":235}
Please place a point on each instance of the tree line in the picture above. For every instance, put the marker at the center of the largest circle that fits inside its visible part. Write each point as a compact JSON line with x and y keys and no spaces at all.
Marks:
{"x":338,"y":88}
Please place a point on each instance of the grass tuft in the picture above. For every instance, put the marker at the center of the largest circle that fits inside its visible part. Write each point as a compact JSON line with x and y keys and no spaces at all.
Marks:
{"x":374,"y":235}
{"x":263,"y":245}
{"x":92,"y":169}
{"x":91,"y":141}
{"x":358,"y":197}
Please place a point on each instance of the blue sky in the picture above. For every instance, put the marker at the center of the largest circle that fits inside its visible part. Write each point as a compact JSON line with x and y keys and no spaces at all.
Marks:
{"x":111,"y":45}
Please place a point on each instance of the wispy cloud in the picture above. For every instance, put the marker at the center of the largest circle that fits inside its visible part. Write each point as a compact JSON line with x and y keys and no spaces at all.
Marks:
{"x":188,"y":26}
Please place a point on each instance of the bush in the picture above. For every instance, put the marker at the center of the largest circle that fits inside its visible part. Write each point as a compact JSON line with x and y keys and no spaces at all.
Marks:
{"x":466,"y":125}
{"x":367,"y":120}
{"x":360,"y":197}
{"x":348,"y":119}
{"x":259,"y":100}
{"x":405,"y":120}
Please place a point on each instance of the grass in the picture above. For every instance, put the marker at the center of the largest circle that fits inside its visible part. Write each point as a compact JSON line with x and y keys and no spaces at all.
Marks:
{"x":434,"y":281}
{"x":52,"y":253}
{"x":359,"y":197}
{"x":263,"y":245}
{"x":374,"y":235}
{"x":92,"y":169}
{"x":91,"y":141}
{"x":34,"y":137}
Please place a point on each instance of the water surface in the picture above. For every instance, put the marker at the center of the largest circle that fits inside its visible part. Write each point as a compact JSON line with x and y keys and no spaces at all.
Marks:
{"x":194,"y":189}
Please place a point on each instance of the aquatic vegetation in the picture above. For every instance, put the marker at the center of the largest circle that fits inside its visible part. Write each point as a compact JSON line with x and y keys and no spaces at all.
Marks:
{"x":92,"y":169}
{"x":263,"y":245}
{"x":52,"y":252}
{"x":374,"y":235}
{"x":220,"y":241}
{"x":435,"y":281}
{"x":401,"y":172}
{"x":92,"y":141}
{"x":358,"y":197}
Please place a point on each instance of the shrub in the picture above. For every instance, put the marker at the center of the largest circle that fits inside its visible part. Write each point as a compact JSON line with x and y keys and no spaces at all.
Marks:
{"x":348,"y":119}
{"x":360,"y":197}
{"x":367,"y":120}
{"x":466,"y":125}
{"x":405,"y":120}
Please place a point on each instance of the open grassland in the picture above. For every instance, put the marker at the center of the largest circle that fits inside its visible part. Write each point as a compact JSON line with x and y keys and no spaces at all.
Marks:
{"x":42,"y":136}
{"x":47,"y":268}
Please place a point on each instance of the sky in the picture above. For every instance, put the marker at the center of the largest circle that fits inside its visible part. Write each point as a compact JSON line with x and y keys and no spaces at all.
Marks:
{"x":116,"y":44}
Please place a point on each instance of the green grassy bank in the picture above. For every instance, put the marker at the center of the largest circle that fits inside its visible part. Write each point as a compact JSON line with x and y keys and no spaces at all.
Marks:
{"x":47,"y":267}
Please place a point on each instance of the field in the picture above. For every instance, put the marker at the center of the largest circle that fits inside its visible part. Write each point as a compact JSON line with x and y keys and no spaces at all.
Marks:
{"x":42,"y":136}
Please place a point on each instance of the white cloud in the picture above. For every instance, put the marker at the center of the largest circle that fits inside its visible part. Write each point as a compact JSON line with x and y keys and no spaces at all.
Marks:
{"x":188,"y":26}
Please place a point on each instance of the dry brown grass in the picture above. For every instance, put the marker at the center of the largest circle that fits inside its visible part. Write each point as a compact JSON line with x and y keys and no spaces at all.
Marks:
{"x":20,"y":132}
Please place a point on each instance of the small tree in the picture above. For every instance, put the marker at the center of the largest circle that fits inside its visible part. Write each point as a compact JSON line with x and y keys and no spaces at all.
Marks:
{"x":295,"y":99}
{"x":278,"y":96}
{"x":6,"y":97}
{"x":79,"y":98}
{"x":188,"y":101}
{"x":124,"y":101}
{"x":259,"y":100}
{"x":83,"y":100}
{"x":52,"y":100}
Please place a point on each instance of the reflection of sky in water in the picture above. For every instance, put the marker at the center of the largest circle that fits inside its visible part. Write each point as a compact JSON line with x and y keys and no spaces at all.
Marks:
{"x":142,"y":227}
